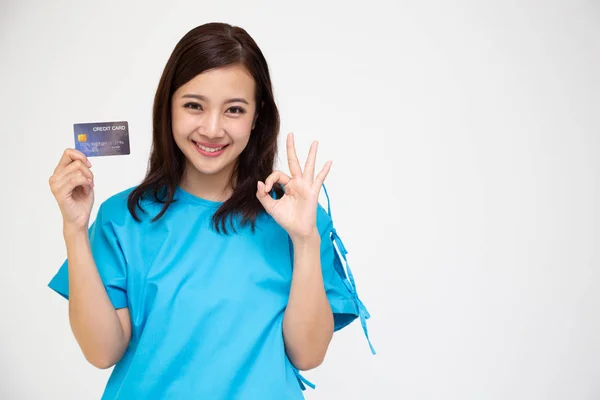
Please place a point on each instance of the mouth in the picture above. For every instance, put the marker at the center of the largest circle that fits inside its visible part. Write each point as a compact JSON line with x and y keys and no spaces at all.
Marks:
{"x":212,"y":150}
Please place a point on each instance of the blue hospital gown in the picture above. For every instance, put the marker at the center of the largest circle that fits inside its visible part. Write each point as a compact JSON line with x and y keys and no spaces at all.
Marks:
{"x":206,"y":309}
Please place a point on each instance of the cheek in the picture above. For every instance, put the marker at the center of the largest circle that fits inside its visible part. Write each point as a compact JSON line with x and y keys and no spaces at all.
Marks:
{"x":240,"y":130}
{"x":181,"y":124}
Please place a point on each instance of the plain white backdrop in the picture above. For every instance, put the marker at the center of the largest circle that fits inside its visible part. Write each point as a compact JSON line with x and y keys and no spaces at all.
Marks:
{"x":465,"y":143}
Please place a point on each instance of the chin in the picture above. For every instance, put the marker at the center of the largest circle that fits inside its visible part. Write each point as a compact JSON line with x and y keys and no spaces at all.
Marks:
{"x":204,"y":169}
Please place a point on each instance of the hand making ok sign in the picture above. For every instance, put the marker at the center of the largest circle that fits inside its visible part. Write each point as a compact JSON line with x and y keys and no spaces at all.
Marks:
{"x":296,"y":211}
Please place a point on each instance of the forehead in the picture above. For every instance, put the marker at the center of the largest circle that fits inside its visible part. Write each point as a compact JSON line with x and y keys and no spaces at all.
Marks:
{"x":221,"y":83}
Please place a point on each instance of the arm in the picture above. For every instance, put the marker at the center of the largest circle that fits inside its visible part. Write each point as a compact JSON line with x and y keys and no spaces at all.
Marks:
{"x":102,"y":332}
{"x":308,"y":322}
{"x":308,"y":319}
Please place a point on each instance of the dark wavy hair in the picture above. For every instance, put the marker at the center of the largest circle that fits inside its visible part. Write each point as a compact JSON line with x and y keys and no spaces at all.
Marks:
{"x":206,"y":47}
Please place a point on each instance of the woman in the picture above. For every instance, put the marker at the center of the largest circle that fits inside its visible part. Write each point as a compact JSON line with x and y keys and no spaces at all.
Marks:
{"x":205,"y":281}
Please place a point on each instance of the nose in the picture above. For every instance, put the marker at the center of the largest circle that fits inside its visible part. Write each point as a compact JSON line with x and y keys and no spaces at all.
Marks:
{"x":212,"y":126}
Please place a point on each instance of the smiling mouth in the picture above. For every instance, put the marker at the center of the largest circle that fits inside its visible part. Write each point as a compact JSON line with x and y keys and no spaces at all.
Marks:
{"x":210,"y":149}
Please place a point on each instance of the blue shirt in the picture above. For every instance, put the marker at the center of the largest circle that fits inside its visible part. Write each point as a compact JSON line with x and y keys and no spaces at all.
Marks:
{"x":206,"y":309}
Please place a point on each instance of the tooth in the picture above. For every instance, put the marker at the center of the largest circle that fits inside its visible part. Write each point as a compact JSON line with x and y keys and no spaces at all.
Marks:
{"x":210,"y":150}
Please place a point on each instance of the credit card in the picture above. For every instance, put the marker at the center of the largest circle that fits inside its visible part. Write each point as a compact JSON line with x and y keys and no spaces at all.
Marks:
{"x":102,"y":138}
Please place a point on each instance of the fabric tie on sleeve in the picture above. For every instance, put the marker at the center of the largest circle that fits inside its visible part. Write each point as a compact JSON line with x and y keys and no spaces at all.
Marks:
{"x":302,"y":380}
{"x":350,"y":283}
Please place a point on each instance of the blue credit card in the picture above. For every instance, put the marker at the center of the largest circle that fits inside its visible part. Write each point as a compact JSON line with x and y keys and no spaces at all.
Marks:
{"x":102,"y":138}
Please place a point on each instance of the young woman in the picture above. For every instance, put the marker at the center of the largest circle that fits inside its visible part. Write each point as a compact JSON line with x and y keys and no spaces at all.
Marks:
{"x":216,"y":277}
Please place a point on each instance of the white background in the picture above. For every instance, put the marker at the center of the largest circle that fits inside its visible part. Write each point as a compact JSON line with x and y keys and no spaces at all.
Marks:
{"x":465,"y":144}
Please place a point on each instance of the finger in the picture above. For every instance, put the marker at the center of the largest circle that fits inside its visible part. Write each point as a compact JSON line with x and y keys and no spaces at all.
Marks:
{"x":265,"y":199}
{"x":58,"y":180}
{"x":276,"y":176}
{"x":323,"y":174}
{"x":70,"y":155}
{"x":86,"y":189}
{"x":71,"y":181}
{"x":293,"y":163}
{"x":75,"y":166}
{"x":309,"y":167}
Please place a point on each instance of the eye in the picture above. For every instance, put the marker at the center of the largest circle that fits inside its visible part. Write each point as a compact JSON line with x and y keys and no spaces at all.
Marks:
{"x":193,"y":106}
{"x":237,"y":110}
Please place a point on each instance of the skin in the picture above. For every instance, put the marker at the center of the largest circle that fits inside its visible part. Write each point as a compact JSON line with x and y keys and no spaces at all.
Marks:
{"x":203,"y":111}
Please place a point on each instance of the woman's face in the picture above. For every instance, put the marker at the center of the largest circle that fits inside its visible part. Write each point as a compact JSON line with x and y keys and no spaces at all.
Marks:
{"x":212,"y":117}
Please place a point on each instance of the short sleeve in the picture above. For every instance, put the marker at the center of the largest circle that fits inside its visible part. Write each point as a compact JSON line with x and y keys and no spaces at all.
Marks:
{"x":339,"y":282}
{"x":337,"y":288}
{"x":109,"y":260}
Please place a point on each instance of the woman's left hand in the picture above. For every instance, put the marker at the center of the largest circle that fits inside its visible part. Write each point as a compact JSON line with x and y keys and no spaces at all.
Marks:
{"x":296,"y":211}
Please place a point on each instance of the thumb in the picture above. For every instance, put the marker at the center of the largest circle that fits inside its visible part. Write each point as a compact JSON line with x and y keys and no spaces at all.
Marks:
{"x":264,"y":197}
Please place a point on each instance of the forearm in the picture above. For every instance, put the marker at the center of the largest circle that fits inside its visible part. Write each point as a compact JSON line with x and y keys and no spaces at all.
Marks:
{"x":308,"y":319}
{"x":94,"y":320}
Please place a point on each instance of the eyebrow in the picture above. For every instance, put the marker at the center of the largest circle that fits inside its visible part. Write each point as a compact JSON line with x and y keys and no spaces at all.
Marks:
{"x":203,"y":98}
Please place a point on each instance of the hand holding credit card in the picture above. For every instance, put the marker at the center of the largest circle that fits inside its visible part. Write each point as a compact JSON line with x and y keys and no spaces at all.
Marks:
{"x":102,"y":138}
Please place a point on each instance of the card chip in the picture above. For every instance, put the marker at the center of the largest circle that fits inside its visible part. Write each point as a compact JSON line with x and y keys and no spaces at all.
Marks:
{"x":82,"y":137}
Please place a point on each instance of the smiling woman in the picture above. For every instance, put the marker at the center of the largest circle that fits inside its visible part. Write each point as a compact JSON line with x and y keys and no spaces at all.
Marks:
{"x":216,"y":277}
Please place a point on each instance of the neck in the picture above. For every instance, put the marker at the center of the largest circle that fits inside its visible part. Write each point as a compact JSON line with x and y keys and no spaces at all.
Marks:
{"x":214,"y":187}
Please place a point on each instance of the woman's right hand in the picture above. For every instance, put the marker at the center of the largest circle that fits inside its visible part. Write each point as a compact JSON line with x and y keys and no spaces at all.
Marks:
{"x":72,"y":185}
